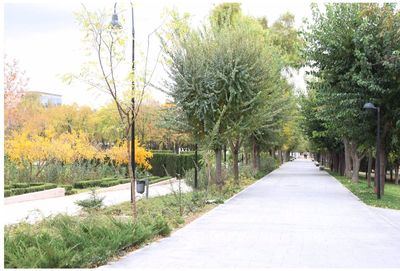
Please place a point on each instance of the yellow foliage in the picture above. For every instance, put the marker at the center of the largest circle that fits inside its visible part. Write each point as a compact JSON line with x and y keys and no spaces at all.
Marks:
{"x":24,"y":147}
{"x":119,"y":153}
{"x":29,"y":147}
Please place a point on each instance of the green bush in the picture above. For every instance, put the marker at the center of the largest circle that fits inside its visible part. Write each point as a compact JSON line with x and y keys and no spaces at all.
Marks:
{"x":36,"y":184}
{"x":268,"y":164}
{"x":171,"y":164}
{"x":57,"y":172}
{"x":109,"y":178}
{"x":68,"y":189}
{"x":20,"y":185}
{"x":7,"y":187}
{"x":76,"y":242}
{"x":7,"y":193}
{"x":86,"y":184}
{"x":109,"y":183}
{"x":161,"y":151}
{"x":22,"y":188}
{"x":126,"y":180}
{"x":71,"y":192}
{"x":93,"y":203}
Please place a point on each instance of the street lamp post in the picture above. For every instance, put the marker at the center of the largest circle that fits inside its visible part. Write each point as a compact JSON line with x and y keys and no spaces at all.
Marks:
{"x":115,"y":24}
{"x":378,"y":143}
{"x":195,"y":167}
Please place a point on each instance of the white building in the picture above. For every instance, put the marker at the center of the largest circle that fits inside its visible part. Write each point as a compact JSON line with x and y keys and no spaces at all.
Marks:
{"x":47,"y":99}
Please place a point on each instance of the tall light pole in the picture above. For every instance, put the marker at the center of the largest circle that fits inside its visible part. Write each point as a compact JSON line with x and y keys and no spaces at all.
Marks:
{"x":115,"y":24}
{"x":371,"y":106}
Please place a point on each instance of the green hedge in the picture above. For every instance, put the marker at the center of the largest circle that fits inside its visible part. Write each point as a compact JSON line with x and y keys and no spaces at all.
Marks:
{"x":86,"y":184}
{"x":126,"y":180}
{"x":20,"y":185}
{"x":162,"y":151}
{"x":69,"y":189}
{"x":174,"y":164}
{"x":36,"y":184}
{"x":109,"y":183}
{"x":25,"y":188}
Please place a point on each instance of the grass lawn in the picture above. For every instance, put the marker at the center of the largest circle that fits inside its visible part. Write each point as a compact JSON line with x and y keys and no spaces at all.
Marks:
{"x":391,"y":198}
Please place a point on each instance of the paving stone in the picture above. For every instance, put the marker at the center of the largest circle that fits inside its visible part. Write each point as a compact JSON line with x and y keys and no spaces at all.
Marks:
{"x":297,"y":216}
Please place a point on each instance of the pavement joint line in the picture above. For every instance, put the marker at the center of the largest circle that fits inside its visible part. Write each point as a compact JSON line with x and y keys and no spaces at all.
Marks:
{"x":366,"y":206}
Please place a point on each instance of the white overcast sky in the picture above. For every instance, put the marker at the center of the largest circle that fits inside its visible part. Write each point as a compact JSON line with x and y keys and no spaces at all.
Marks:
{"x":44,"y":37}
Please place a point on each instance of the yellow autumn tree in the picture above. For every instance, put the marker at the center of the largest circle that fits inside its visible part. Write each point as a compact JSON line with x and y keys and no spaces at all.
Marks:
{"x":30,"y":150}
{"x":119,"y":155}
{"x":76,"y":146}
{"x":36,"y":150}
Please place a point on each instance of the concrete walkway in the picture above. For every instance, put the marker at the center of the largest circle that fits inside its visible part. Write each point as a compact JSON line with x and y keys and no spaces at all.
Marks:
{"x":297,"y":216}
{"x":33,"y":211}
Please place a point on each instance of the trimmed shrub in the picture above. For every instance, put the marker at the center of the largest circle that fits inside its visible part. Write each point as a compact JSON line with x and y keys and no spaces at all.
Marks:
{"x":68,"y":189}
{"x":7,"y":193}
{"x":184,"y":162}
{"x":163,"y":164}
{"x":71,"y":192}
{"x":109,"y":178}
{"x":109,"y":183}
{"x":171,"y":164}
{"x":126,"y":180}
{"x":18,"y":191}
{"x":29,"y":189}
{"x":162,"y":151}
{"x":36,"y":184}
{"x":20,"y":185}
{"x":86,"y":184}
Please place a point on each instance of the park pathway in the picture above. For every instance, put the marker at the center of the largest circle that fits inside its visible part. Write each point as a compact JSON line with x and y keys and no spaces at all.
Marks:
{"x":33,"y":211}
{"x":297,"y":216}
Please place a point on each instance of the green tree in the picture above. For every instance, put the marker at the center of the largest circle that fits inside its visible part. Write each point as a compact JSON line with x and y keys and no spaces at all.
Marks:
{"x":353,"y":52}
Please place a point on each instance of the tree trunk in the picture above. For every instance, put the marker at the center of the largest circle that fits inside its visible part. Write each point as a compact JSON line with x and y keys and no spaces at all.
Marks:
{"x":356,"y":158}
{"x":356,"y":169}
{"x":347,"y":158}
{"x":342,"y":165}
{"x":391,"y":174}
{"x":235,"y":158}
{"x":332,"y":156}
{"x":218,"y":167}
{"x":225,"y":154}
{"x":280,"y":156}
{"x":254,"y":155}
{"x":396,"y":174}
{"x":287,"y":156}
{"x":235,"y":146}
{"x":383,"y":168}
{"x":132,"y":177}
{"x":369,"y":169}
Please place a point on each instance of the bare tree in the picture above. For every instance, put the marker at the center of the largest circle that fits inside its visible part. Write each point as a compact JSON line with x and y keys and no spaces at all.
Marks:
{"x":105,"y":73}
